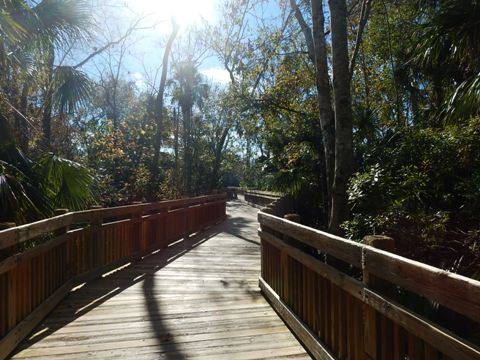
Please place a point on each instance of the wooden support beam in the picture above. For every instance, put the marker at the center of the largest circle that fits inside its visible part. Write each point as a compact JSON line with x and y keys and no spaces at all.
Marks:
{"x":304,"y":334}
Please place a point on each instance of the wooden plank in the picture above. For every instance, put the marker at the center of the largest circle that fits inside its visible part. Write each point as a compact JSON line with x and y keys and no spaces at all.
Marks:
{"x":3,"y":304}
{"x":26,"y":232}
{"x":190,"y":300}
{"x":351,"y":325}
{"x":346,"y":250}
{"x":18,"y":259}
{"x":456,"y":292}
{"x":309,"y":340}
{"x":12,"y":299}
{"x":441,"y":339}
{"x":414,"y":347}
{"x":91,"y":215}
{"x":10,"y":341}
{"x":359,"y":334}
{"x":430,"y":353}
{"x":340,"y":279}
{"x":50,"y":263}
{"x":398,"y":343}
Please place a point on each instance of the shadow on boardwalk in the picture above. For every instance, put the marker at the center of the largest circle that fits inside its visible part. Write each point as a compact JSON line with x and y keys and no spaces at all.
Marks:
{"x":93,"y":294}
{"x":198,"y":298}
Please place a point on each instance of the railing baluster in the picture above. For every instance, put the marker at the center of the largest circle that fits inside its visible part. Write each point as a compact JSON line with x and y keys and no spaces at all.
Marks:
{"x":339,"y":316}
{"x":84,"y":245}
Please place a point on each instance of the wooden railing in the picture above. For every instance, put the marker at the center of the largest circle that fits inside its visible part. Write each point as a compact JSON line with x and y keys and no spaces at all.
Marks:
{"x":346,"y":300}
{"x":254,"y":197}
{"x":261,"y":198}
{"x":80,"y":246}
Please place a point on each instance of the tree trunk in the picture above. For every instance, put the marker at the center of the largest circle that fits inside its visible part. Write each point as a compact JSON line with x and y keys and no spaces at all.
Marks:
{"x":317,"y":51}
{"x":343,"y":114}
{"x":176,"y":123}
{"x":21,"y":128}
{"x":159,"y":113}
{"x":218,"y":159}
{"x":187,"y":174}
{"x":327,"y":117}
{"x":48,"y":101}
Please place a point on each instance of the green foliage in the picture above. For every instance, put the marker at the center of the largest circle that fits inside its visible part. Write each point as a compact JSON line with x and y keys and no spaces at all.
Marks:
{"x":30,"y":190}
{"x":120,"y":158}
{"x":72,"y":88}
{"x":68,"y":184}
{"x":419,"y":185}
{"x":448,"y":47}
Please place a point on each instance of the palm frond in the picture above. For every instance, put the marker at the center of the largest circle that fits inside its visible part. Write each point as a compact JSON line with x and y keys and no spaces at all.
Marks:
{"x":20,"y":199}
{"x":70,"y":183}
{"x":12,"y":31}
{"x":64,"y":20}
{"x":72,"y":88}
{"x":465,"y":101}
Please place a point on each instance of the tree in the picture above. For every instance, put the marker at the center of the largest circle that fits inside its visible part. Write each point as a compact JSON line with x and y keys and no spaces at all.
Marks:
{"x":343,"y":114}
{"x":336,"y":120}
{"x":219,"y":122}
{"x":32,"y":189}
{"x":158,"y":112}
{"x":189,"y":90}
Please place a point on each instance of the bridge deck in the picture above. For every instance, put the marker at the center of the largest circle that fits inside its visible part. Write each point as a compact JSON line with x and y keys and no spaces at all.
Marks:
{"x":197,"y":299}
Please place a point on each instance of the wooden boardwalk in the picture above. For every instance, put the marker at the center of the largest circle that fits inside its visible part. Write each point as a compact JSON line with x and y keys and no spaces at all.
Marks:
{"x":197,"y":299}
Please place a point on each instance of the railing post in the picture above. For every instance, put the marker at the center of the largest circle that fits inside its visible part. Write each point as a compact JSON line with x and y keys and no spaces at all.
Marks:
{"x":284,"y":263}
{"x":95,"y":224}
{"x":58,"y":212}
{"x":4,"y":253}
{"x":185,"y":220}
{"x":64,"y":247}
{"x":9,"y":287}
{"x":369,"y":315}
{"x":137,"y":228}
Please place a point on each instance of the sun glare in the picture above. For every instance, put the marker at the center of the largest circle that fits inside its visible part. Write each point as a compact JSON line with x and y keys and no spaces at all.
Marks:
{"x":184,"y":12}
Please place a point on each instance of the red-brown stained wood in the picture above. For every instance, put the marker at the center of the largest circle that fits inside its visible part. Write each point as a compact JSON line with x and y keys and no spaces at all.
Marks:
{"x":386,"y":341}
{"x":343,"y":249}
{"x":359,"y":331}
{"x":398,"y":340}
{"x":459,"y":293}
{"x":12,"y":298}
{"x":350,"y":326}
{"x":430,"y":353}
{"x":414,"y":347}
{"x":28,"y":279}
{"x":3,"y":304}
{"x":342,"y":331}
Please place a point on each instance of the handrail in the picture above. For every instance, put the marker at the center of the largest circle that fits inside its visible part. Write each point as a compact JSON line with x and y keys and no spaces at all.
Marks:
{"x":79,"y":246}
{"x":314,"y":280}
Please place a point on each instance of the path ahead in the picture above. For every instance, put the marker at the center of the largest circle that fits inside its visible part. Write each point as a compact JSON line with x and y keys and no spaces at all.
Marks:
{"x":198,"y":299}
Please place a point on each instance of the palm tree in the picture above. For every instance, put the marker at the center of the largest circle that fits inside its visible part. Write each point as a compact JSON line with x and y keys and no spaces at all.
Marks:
{"x":448,"y":50}
{"x":30,"y":190}
{"x":189,"y":90}
{"x":31,"y":34}
{"x":33,"y":37}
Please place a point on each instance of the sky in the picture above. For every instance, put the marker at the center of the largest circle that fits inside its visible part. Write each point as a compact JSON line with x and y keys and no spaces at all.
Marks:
{"x":145,"y":50}
{"x":143,"y":58}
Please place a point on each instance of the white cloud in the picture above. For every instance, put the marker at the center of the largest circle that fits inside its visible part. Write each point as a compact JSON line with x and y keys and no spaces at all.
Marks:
{"x":216,"y":74}
{"x":137,"y":79}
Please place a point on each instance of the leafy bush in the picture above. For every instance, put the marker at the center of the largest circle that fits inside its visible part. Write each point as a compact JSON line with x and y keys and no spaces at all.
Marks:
{"x":422,"y":187}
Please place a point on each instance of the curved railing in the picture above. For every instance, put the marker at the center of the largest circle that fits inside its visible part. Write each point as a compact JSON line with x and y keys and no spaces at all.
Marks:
{"x":79,"y":246}
{"x":346,"y":300}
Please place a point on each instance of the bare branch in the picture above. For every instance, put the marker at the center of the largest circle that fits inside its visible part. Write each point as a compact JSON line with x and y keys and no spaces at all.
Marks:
{"x":307,"y":32}
{"x":129,"y":31}
{"x":364,"y":14}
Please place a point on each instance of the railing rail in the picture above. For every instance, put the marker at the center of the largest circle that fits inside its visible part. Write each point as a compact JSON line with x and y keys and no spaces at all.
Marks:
{"x":254,"y":197}
{"x":79,"y":246}
{"x":323,"y":286}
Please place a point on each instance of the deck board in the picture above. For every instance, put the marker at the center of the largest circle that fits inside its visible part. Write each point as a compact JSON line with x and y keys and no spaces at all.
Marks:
{"x":198,"y":299}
